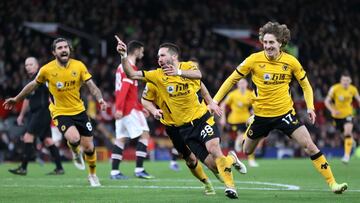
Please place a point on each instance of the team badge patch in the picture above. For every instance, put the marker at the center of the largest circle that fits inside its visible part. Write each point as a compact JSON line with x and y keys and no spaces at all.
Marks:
{"x":285,"y":67}
{"x":63,"y":128}
{"x":74,"y":73}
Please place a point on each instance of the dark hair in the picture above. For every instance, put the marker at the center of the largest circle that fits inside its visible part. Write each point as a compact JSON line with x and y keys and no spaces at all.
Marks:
{"x":133,"y":45}
{"x":57,"y":40}
{"x":346,"y":73}
{"x":281,"y":32}
{"x":173,"y":48}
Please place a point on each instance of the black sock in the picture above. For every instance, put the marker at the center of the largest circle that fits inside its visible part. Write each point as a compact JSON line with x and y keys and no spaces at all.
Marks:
{"x":116,"y":157}
{"x":54,"y":151}
{"x":141,"y":153}
{"x":28,"y":151}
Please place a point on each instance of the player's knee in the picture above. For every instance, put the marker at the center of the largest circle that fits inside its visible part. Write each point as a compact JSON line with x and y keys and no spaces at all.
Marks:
{"x":48,"y":142}
{"x":88,"y":147}
{"x":145,"y":135}
{"x":28,"y":138}
{"x":311,"y":148}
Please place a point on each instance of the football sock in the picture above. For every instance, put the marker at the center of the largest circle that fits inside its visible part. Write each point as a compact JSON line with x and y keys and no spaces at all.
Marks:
{"x":198,"y":172}
{"x":75,"y":147}
{"x":90,"y":158}
{"x":224,"y":167}
{"x":348,"y":142}
{"x":28,"y":150}
{"x":116,"y":157}
{"x":141,"y":153}
{"x":321,"y":165}
{"x":54,"y":151}
{"x":251,"y":156}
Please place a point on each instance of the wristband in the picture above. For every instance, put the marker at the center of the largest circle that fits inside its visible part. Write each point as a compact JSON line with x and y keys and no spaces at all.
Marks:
{"x":179,"y":72}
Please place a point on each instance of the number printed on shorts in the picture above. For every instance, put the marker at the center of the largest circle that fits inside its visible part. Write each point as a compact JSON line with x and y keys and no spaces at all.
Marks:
{"x":89,"y":126}
{"x":207,"y":131}
{"x":287,"y":119}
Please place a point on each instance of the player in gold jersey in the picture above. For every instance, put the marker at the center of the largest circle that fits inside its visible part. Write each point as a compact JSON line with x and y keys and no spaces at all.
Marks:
{"x":177,"y":84}
{"x":64,"y":76}
{"x":239,"y":102}
{"x":271,"y":72}
{"x":339,"y":103}
{"x":157,"y":107}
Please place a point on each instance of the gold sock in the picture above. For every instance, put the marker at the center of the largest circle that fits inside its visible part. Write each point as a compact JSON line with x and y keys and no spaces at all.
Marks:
{"x":224,"y":167}
{"x":91,"y":158}
{"x":74,"y":147}
{"x":321,"y":165}
{"x":348,"y":142}
{"x":251,"y":156}
{"x":199,"y":173}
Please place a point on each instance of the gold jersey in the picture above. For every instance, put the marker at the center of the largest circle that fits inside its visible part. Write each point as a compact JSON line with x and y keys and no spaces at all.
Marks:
{"x":271,"y":79}
{"x":342,"y":99}
{"x":240,"y":104}
{"x":178,"y":94}
{"x":64,"y":85}
{"x":150,"y":93}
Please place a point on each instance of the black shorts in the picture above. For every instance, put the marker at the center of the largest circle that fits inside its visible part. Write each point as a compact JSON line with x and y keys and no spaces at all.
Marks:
{"x":198,"y":132}
{"x":339,"y":123}
{"x":81,"y":121}
{"x":39,"y":123}
{"x":241,"y":127}
{"x":261,"y":126}
{"x":178,"y":141}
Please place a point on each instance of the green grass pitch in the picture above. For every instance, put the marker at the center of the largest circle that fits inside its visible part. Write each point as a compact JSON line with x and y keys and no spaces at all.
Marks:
{"x":291,"y":180}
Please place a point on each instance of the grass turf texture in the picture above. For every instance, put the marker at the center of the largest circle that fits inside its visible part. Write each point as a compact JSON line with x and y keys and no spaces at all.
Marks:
{"x":297,"y":181}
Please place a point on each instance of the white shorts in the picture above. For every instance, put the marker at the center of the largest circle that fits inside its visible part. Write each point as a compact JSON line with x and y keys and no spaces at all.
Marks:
{"x":132,"y":125}
{"x":56,"y":134}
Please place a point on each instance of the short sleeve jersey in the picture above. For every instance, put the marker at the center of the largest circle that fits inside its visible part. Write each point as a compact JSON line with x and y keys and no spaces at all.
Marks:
{"x":343,"y":99}
{"x":179,"y":94}
{"x":64,"y":84}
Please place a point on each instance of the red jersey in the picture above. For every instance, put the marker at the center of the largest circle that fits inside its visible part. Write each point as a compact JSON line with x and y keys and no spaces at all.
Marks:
{"x":126,"y":92}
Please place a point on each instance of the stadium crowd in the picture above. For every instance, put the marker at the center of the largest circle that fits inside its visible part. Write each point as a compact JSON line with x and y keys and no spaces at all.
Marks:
{"x":325,"y":34}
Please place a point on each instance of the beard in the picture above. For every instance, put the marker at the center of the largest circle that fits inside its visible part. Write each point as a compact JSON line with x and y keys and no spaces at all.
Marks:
{"x":62,"y":59}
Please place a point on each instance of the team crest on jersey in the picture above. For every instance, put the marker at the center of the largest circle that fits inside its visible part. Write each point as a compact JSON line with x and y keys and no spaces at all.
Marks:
{"x":267,"y":76}
{"x":262,"y":65}
{"x":59,"y":85}
{"x":170,"y":89}
{"x":74,"y":73}
{"x":285,"y":67}
{"x":341,"y":98}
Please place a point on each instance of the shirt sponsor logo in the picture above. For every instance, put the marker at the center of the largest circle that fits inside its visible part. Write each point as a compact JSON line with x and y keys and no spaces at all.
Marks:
{"x":59,"y":85}
{"x":267,"y":76}
{"x":170,"y":89}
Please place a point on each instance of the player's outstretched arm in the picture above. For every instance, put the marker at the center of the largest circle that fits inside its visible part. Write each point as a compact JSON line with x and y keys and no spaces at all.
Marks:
{"x":191,"y":74}
{"x":10,"y":102}
{"x":121,"y":48}
{"x":97,"y":93}
{"x":212,"y":106}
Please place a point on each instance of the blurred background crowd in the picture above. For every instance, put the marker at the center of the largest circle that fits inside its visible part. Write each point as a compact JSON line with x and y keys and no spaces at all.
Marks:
{"x":324,"y":37}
